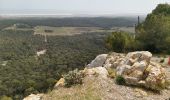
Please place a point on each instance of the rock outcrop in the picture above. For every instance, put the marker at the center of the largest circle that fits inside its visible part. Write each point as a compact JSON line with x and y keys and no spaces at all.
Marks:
{"x":137,"y":69}
{"x":33,"y":97}
{"x":42,"y":52}
{"x":98,"y":61}
{"x":60,"y":83}
{"x":100,"y":71}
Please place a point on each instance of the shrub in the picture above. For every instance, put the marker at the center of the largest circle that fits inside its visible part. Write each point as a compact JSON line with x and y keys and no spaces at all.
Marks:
{"x":48,"y":31}
{"x":162,"y":60}
{"x":166,"y":84}
{"x":121,"y":41}
{"x":120,"y":80}
{"x":116,"y":41}
{"x":73,"y":77}
{"x":160,"y":86}
{"x":5,"y":98}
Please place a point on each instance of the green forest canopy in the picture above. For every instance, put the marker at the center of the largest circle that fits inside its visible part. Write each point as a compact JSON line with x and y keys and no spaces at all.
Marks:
{"x":26,"y":73}
{"x":154,"y":32}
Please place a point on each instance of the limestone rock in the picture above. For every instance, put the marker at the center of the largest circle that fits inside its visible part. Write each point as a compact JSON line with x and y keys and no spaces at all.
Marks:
{"x":114,"y":59}
{"x":98,"y":61}
{"x":140,"y":55}
{"x":123,"y":69}
{"x":42,"y":52}
{"x":61,"y":82}
{"x":156,"y":76}
{"x":140,"y":92}
{"x":33,"y":97}
{"x":101,"y":71}
{"x":138,"y":69}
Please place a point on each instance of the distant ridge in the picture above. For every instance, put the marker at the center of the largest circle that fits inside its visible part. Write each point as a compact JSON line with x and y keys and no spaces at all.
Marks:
{"x":64,"y":14}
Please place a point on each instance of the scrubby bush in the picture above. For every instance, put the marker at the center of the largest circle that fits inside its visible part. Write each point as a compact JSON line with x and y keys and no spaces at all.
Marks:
{"x":153,"y":33}
{"x":48,"y":31}
{"x":120,"y":80}
{"x":159,"y":86}
{"x":162,"y":60}
{"x":116,"y":41}
{"x":167,"y":83}
{"x":39,"y":74}
{"x":121,"y":42}
{"x":73,"y":77}
{"x":163,"y":86}
{"x":5,"y":98}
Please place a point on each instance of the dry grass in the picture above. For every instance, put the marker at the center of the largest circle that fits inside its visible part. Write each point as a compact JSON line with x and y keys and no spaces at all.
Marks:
{"x":90,"y":91}
{"x":112,"y":72}
{"x":98,"y":88}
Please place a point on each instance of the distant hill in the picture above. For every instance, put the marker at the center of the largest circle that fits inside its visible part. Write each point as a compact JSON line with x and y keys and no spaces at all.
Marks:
{"x":104,"y":22}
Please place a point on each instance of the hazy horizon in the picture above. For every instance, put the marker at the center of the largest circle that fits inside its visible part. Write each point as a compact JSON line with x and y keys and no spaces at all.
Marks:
{"x":78,"y":7}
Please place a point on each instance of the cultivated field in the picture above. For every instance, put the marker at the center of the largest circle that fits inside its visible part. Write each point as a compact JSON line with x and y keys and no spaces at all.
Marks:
{"x":125,"y":29}
{"x":47,"y":30}
{"x":67,"y":31}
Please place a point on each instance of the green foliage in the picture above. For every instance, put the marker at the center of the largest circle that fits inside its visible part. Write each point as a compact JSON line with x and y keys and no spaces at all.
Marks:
{"x":160,"y":86}
{"x":120,"y":80}
{"x":73,"y":77}
{"x":5,"y":98}
{"x":48,"y":31}
{"x":154,"y":32}
{"x":121,"y":42}
{"x":162,"y":60}
{"x":26,"y":73}
{"x":167,"y":83}
{"x":30,"y":90}
{"x":73,"y":22}
{"x":162,"y":9}
{"x":116,"y":41}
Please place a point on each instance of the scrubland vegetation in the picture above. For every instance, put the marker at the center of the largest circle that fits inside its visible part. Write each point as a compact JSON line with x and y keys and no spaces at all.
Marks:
{"x":26,"y":73}
{"x":153,"y":34}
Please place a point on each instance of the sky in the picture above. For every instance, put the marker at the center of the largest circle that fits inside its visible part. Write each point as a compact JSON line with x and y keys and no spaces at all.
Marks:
{"x":69,"y":7}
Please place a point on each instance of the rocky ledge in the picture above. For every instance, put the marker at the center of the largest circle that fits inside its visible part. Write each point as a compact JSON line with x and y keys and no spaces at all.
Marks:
{"x":136,"y":68}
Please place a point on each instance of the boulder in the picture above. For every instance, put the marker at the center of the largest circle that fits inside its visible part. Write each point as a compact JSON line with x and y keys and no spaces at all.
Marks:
{"x":140,"y":55}
{"x":123,"y":69}
{"x":114,"y":59}
{"x":34,"y":97}
{"x":100,"y":71}
{"x":156,"y":76}
{"x":98,"y":61}
{"x":141,"y":66}
{"x":42,"y":52}
{"x":60,"y":83}
{"x":138,"y":69}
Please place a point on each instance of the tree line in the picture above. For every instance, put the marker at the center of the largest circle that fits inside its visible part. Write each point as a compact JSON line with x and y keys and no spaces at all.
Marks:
{"x":153,"y":34}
